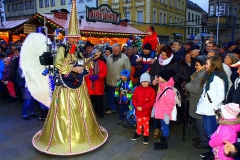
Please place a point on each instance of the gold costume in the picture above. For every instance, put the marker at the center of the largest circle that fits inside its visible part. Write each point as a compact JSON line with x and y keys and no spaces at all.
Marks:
{"x":71,"y":126}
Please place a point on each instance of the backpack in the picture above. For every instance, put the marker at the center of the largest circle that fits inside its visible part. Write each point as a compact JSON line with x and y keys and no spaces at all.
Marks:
{"x":177,"y":95}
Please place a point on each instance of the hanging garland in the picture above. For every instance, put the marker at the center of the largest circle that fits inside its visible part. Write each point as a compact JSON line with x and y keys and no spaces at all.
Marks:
{"x":102,"y":34}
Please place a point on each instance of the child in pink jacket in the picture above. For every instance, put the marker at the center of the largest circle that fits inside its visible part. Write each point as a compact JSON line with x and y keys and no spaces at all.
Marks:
{"x":164,"y":104}
{"x":227,"y":130}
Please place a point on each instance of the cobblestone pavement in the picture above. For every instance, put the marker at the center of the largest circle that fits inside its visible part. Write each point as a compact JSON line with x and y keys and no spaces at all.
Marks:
{"x":16,"y":136}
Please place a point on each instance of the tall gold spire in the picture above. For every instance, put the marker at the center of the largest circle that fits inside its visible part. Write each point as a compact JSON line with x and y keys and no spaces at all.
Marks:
{"x":73,"y":30}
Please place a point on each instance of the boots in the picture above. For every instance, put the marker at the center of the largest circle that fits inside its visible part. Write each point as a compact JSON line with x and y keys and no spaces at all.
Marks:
{"x":162,"y":144}
{"x":156,"y":133}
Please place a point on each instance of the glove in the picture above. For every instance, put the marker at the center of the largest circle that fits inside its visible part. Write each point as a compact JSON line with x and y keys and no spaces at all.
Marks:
{"x":94,"y":78}
{"x":166,"y":118}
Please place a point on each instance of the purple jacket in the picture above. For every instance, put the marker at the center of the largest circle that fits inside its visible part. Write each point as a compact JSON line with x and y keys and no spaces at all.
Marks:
{"x":224,"y":132}
{"x":6,"y":73}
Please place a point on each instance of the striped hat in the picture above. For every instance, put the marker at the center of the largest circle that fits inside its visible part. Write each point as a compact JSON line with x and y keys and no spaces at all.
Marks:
{"x":230,"y":110}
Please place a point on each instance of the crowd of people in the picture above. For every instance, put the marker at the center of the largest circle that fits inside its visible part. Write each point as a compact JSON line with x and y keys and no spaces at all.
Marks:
{"x":142,"y":80}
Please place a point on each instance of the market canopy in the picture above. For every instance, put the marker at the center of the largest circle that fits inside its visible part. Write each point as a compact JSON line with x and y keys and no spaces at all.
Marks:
{"x":12,"y":24}
{"x":93,"y":26}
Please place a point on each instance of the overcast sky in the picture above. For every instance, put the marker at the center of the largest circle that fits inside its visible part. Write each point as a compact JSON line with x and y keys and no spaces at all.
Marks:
{"x":202,"y":3}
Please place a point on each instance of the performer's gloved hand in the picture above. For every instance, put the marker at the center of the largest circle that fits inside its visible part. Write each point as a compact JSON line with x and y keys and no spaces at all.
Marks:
{"x":166,"y":118}
{"x":94,"y":78}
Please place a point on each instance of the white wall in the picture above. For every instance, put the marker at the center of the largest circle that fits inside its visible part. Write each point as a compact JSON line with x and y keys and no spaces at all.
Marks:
{"x":194,"y":24}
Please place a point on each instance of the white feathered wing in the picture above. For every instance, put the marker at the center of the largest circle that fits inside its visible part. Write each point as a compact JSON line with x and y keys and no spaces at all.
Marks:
{"x":38,"y":85}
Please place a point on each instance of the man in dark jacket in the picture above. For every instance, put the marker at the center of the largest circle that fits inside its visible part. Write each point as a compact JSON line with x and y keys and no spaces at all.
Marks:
{"x":194,"y":52}
{"x":179,"y":51}
{"x":231,"y":46}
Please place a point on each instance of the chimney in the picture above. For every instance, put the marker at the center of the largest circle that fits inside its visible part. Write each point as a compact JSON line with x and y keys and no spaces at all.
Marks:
{"x":60,"y":14}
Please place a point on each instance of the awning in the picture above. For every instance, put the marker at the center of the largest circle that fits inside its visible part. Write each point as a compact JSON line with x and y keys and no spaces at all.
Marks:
{"x":11,"y":24}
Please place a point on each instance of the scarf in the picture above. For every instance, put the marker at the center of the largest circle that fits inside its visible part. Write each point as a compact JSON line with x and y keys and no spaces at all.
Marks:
{"x":195,"y":74}
{"x":208,"y":78}
{"x":164,"y":62}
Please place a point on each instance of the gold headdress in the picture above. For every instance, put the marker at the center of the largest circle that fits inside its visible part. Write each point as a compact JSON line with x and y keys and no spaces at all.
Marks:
{"x":73,"y":30}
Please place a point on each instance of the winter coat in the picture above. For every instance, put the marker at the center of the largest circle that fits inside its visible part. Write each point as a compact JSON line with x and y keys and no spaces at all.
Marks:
{"x":14,"y":64}
{"x":156,"y":68}
{"x":216,"y":93}
{"x":228,"y":72}
{"x":224,"y":132}
{"x":115,"y":67}
{"x":165,"y":104}
{"x":152,"y":40}
{"x":1,"y":68}
{"x":143,"y":97}
{"x":146,"y":63}
{"x":126,"y":87}
{"x":179,"y":55}
{"x":195,"y":91}
{"x":233,"y":94}
{"x":133,"y":75}
{"x":98,"y":88}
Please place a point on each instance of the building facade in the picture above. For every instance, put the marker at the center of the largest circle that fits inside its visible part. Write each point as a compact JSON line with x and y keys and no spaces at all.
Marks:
{"x":46,"y":6}
{"x":19,"y":9}
{"x":194,"y":18}
{"x":227,"y":15}
{"x":167,"y":16}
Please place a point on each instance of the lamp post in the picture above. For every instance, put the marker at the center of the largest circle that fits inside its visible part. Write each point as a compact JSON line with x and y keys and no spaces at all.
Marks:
{"x":125,"y":11}
{"x":218,"y":21}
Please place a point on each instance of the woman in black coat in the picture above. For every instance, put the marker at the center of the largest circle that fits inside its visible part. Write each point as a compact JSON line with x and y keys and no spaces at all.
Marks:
{"x":164,"y":61}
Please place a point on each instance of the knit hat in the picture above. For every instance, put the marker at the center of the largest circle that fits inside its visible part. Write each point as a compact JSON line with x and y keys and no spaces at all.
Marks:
{"x":125,"y":73}
{"x":147,"y":46}
{"x":88,"y":43}
{"x":151,"y":28}
{"x":230,"y":110}
{"x":166,"y":74}
{"x":236,"y":50}
{"x":230,"y":43}
{"x":145,"y":77}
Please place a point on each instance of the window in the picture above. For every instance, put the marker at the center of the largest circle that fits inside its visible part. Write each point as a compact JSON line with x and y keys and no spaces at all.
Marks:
{"x":196,"y":19}
{"x":46,"y":3}
{"x":22,"y":6}
{"x":160,"y":18}
{"x":13,"y":7}
{"x":52,"y":2}
{"x":192,"y":17}
{"x":170,"y":3}
{"x":199,"y":20}
{"x":188,"y":30}
{"x":40,"y":3}
{"x":170,"y":20}
{"x":139,"y":16}
{"x":178,"y":20}
{"x":129,"y":16}
{"x":9,"y":8}
{"x":211,"y":10}
{"x":164,"y":19}
{"x":69,"y":1}
{"x":220,"y":10}
{"x":26,"y":5}
{"x":175,"y":20}
{"x":81,"y":1}
{"x":227,"y":9}
{"x":63,"y":2}
{"x":18,"y":7}
{"x":178,"y":4}
{"x":154,"y":17}
{"x":105,"y":1}
{"x":189,"y":16}
{"x":183,"y":6}
{"x":31,"y":5}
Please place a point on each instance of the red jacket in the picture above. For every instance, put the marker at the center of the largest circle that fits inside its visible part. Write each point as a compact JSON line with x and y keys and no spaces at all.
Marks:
{"x":98,"y":84}
{"x":143,"y":97}
{"x":151,"y":40}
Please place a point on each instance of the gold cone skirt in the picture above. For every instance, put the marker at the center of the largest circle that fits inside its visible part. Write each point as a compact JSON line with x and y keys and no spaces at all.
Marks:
{"x":71,"y":126}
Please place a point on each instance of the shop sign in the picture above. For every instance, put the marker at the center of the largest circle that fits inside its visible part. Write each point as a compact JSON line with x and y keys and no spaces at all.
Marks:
{"x":103,"y":13}
{"x":29,"y":28}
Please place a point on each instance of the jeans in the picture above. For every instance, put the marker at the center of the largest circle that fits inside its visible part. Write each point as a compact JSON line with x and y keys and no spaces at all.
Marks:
{"x":201,"y":132}
{"x":28,"y":104}
{"x":111,"y":98}
{"x":123,"y":108}
{"x":210,"y":125}
{"x":165,"y":128}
